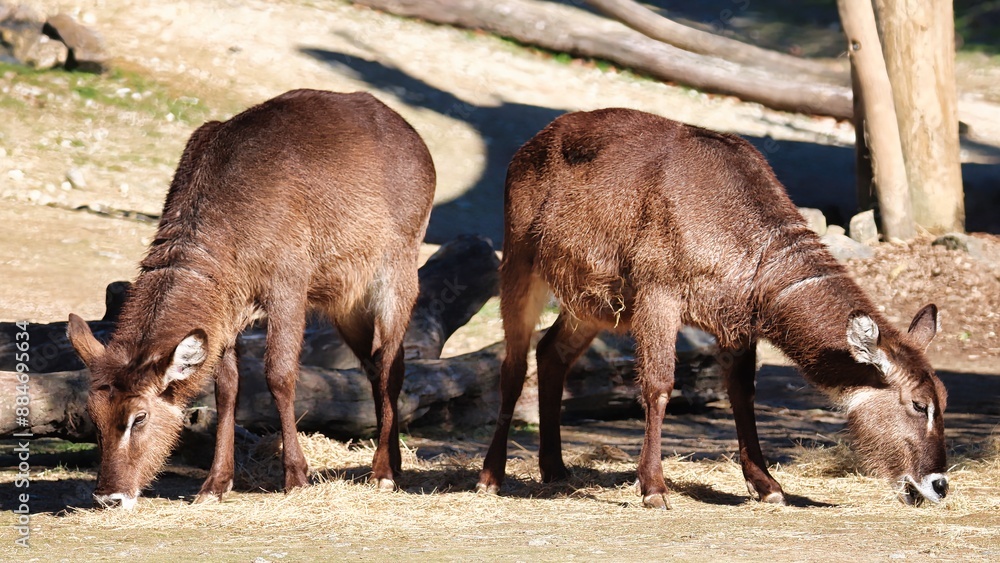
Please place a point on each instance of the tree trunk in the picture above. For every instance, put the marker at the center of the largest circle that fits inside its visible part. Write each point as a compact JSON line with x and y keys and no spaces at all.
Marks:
{"x":880,"y":129}
{"x":657,"y":27}
{"x":570,"y":30}
{"x":919,"y":45}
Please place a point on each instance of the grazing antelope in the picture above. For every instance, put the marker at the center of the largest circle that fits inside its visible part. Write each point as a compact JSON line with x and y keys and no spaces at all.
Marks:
{"x":309,"y":200}
{"x":637,"y":222}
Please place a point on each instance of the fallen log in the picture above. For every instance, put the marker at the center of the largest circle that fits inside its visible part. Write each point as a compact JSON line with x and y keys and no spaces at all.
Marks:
{"x":580,"y":33}
{"x":454,"y":392}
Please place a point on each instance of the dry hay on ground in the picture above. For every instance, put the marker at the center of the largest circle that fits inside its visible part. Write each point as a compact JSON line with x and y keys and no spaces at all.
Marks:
{"x":596,"y":514}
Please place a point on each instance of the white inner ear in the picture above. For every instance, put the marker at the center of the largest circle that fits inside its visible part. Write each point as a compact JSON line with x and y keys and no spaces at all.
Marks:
{"x":862,"y":337}
{"x":188,"y":357}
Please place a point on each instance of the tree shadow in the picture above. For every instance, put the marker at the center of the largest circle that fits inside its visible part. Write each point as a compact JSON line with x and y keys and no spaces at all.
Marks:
{"x":48,"y":497}
{"x":61,"y":497}
{"x":503,"y":128}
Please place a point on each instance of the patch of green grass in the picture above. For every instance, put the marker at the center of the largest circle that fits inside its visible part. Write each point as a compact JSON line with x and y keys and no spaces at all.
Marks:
{"x":564,"y":58}
{"x":50,"y":446}
{"x":525,"y":428}
{"x":86,"y":92}
{"x":115,"y":89}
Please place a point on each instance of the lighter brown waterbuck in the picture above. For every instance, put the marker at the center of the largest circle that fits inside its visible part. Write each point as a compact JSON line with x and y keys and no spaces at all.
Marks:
{"x":637,"y":222}
{"x":311,"y":200}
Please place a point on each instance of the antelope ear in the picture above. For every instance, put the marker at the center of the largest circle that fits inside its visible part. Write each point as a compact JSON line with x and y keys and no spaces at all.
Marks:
{"x":863,"y":339}
{"x":83,"y":340}
{"x":188,"y":357}
{"x":924,"y":326}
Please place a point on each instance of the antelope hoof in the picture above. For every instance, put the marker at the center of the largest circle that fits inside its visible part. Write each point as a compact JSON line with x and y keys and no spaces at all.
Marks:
{"x":775,"y":498}
{"x":656,"y":500}
{"x":294,"y":480}
{"x":207,"y":498}
{"x":212,"y":492}
{"x":387,"y":485}
{"x":560,"y":473}
{"x":484,"y":489}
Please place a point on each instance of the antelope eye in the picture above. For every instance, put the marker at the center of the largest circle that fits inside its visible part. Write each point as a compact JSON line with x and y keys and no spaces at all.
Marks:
{"x":140,"y":419}
{"x":920,"y":407}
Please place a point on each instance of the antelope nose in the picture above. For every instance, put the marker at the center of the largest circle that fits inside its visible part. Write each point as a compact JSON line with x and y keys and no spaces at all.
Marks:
{"x":940,"y":486}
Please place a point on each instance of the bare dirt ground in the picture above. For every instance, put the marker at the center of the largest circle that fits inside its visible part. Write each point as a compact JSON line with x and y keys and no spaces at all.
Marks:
{"x":474,"y":98}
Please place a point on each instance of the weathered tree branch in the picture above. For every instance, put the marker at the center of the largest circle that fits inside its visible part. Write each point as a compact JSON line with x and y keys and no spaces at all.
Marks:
{"x":660,"y":28}
{"x":569,"y":30}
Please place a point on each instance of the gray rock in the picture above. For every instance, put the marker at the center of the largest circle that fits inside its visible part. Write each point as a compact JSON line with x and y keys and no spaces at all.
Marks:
{"x":86,"y":50}
{"x":863,"y":228}
{"x":845,"y":248}
{"x":20,"y":31}
{"x":46,"y":53}
{"x":815,"y":219}
{"x":835,"y":230}
{"x":963,"y":242}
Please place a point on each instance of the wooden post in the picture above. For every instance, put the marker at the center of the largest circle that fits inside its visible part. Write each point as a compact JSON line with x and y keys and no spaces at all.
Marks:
{"x":880,"y":126}
{"x":919,"y":47}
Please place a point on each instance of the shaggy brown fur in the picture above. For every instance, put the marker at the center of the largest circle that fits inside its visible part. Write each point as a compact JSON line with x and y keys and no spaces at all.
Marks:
{"x":309,"y":200}
{"x":637,"y":222}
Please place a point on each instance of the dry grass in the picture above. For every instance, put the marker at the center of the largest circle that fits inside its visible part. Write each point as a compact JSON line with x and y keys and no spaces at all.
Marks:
{"x":835,"y":510}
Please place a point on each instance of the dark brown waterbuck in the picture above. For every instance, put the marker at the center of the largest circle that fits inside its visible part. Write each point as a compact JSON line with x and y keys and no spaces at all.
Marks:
{"x":637,"y":222}
{"x":309,"y":200}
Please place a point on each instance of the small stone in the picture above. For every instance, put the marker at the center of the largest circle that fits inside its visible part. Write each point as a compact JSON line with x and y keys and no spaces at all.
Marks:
{"x":46,"y":54}
{"x":814,"y":219}
{"x":15,"y":174}
{"x":963,"y":242}
{"x":75,"y":177}
{"x":123,"y":189}
{"x":66,"y":186}
{"x":845,"y":248}
{"x":86,"y":50}
{"x":863,"y":228}
{"x":20,"y":30}
{"x":538,"y":542}
{"x":835,"y":230}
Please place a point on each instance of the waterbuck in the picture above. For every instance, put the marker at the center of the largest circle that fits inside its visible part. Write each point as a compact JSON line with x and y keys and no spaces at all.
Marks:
{"x":311,"y":200}
{"x":637,"y":222}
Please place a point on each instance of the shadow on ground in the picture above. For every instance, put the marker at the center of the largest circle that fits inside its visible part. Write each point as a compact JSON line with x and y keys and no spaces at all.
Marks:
{"x":820,"y":176}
